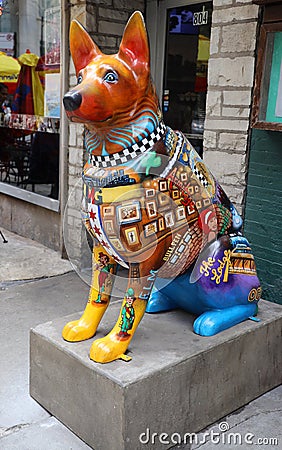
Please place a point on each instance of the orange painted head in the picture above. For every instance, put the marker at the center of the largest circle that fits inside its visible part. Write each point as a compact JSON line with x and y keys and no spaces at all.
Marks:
{"x":110,"y":88}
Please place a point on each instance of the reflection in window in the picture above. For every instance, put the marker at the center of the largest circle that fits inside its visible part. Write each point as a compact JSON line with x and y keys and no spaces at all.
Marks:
{"x":30,"y":96}
{"x":185,"y":79}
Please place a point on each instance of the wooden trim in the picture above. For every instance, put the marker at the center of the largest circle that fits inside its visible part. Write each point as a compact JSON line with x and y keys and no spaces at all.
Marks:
{"x":266,"y":2}
{"x":271,"y":126}
{"x":272,"y":27}
{"x":272,"y":13}
{"x":258,"y":76}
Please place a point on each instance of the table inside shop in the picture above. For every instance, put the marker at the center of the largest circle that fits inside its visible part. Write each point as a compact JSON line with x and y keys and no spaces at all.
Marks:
{"x":29,"y":157}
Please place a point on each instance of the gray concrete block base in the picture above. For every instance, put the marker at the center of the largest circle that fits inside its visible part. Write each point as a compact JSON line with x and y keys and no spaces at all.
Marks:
{"x":177,"y":382}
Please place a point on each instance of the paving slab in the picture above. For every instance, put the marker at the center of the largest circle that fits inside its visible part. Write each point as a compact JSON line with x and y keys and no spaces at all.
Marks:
{"x":177,"y":382}
{"x":48,"y":434}
{"x":25,"y":259}
{"x":257,"y":425}
{"x":22,"y":307}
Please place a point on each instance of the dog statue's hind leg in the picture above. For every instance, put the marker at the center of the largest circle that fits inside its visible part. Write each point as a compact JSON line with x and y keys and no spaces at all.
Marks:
{"x":103,"y":270}
{"x":222,"y":289}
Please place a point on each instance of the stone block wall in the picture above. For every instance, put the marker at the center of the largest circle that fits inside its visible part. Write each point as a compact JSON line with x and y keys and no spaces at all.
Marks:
{"x":105,"y":21}
{"x":230,"y":82}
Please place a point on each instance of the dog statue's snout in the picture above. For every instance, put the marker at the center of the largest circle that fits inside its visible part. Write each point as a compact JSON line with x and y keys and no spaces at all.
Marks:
{"x":72,"y":101}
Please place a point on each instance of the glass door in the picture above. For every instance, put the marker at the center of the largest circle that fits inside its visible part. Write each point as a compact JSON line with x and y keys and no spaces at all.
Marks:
{"x":183,"y":43}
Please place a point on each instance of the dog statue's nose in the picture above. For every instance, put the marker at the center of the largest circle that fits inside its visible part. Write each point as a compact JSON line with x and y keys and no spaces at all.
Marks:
{"x":72,"y":101}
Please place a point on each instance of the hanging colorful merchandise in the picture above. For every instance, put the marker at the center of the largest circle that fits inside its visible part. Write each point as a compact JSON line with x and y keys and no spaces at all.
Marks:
{"x":29,"y":96}
{"x":50,"y":62}
{"x":48,"y":69}
{"x":9,"y":71}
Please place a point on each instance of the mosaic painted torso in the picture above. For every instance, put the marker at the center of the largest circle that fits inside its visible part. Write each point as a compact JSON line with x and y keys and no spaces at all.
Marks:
{"x":130,"y":210}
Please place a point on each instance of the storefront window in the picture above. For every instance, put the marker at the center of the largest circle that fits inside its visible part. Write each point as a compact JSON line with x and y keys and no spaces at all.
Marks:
{"x":186,"y":65}
{"x":30,"y":95}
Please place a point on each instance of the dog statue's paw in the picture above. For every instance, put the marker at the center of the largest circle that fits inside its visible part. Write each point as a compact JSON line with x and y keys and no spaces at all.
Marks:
{"x":78,"y":331}
{"x":206,"y":325}
{"x":86,"y":326}
{"x":212,"y":322}
{"x":109,"y":348}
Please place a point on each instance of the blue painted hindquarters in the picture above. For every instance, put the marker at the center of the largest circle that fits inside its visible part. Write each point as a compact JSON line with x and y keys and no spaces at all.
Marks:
{"x":219,"y":306}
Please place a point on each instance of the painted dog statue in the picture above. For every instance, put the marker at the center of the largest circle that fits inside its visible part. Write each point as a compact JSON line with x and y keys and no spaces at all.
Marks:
{"x":151,"y":204}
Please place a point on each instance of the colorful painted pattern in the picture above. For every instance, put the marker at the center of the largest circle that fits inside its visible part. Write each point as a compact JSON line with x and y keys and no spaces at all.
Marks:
{"x":152,"y":205}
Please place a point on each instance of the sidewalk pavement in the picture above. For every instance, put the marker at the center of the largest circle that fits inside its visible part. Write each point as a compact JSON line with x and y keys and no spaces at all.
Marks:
{"x":36,"y":286}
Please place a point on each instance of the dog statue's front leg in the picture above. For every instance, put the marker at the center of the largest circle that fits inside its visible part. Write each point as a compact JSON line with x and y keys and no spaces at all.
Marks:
{"x":114,"y":345}
{"x":103,"y":269}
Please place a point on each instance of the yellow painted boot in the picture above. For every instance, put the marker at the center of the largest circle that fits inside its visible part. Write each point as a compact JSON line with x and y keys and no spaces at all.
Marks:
{"x":114,"y":345}
{"x":103,"y":270}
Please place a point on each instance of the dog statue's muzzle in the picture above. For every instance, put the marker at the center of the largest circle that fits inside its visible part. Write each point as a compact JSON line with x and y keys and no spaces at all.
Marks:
{"x":72,"y":101}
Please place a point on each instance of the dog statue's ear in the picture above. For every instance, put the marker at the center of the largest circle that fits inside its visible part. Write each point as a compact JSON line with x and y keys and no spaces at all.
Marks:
{"x":82,"y":48}
{"x":134,"y":47}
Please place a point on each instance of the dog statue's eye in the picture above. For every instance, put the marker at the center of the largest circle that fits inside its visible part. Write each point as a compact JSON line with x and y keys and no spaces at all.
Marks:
{"x":111,"y":77}
{"x":79,"y":79}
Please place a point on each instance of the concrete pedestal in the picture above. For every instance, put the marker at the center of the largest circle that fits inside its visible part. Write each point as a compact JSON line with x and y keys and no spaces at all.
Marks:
{"x":176,"y":383}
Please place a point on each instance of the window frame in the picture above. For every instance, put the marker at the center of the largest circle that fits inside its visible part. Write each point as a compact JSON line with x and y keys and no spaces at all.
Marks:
{"x":256,"y":122}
